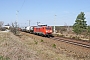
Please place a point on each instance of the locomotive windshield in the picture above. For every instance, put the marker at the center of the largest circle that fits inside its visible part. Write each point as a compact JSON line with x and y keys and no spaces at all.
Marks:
{"x":48,"y":28}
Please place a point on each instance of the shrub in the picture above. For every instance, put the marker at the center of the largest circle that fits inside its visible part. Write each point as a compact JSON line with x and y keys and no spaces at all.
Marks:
{"x":3,"y":29}
{"x":73,"y":37}
{"x":77,"y":38}
{"x":14,"y":28}
{"x":54,"y":45}
{"x":41,"y":40}
{"x":4,"y":58}
{"x":36,"y":42}
{"x":61,"y":35}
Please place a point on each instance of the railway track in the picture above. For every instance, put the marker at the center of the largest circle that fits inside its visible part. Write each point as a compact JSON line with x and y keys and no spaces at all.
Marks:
{"x":71,"y":41}
{"x":74,"y":42}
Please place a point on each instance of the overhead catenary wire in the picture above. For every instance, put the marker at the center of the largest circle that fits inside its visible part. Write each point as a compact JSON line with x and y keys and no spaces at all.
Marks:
{"x":22,"y":6}
{"x":17,"y":11}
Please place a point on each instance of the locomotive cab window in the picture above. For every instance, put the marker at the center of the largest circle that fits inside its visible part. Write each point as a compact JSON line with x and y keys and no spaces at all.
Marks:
{"x":48,"y":28}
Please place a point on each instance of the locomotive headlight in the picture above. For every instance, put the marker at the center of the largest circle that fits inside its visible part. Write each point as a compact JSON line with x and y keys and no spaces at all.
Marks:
{"x":46,"y":31}
{"x":50,"y":30}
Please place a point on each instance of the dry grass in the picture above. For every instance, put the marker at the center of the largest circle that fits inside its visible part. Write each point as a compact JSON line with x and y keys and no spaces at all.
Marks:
{"x":12,"y":47}
{"x":72,"y":35}
{"x":27,"y":48}
{"x":44,"y":51}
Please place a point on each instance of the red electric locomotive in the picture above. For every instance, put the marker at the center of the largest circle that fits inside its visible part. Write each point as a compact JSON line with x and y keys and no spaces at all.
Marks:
{"x":43,"y":30}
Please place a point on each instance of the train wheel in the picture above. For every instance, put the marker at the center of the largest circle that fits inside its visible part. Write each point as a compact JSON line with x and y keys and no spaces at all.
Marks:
{"x":48,"y":36}
{"x":43,"y":35}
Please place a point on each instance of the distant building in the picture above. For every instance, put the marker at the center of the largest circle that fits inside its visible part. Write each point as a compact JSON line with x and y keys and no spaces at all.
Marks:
{"x":42,"y":24}
{"x":7,"y":26}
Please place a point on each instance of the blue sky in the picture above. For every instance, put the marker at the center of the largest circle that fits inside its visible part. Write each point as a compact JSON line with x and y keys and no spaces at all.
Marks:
{"x":43,"y":11}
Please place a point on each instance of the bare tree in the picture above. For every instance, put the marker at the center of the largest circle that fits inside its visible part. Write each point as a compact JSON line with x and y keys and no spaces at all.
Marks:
{"x":14,"y":28}
{"x":1,"y":23}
